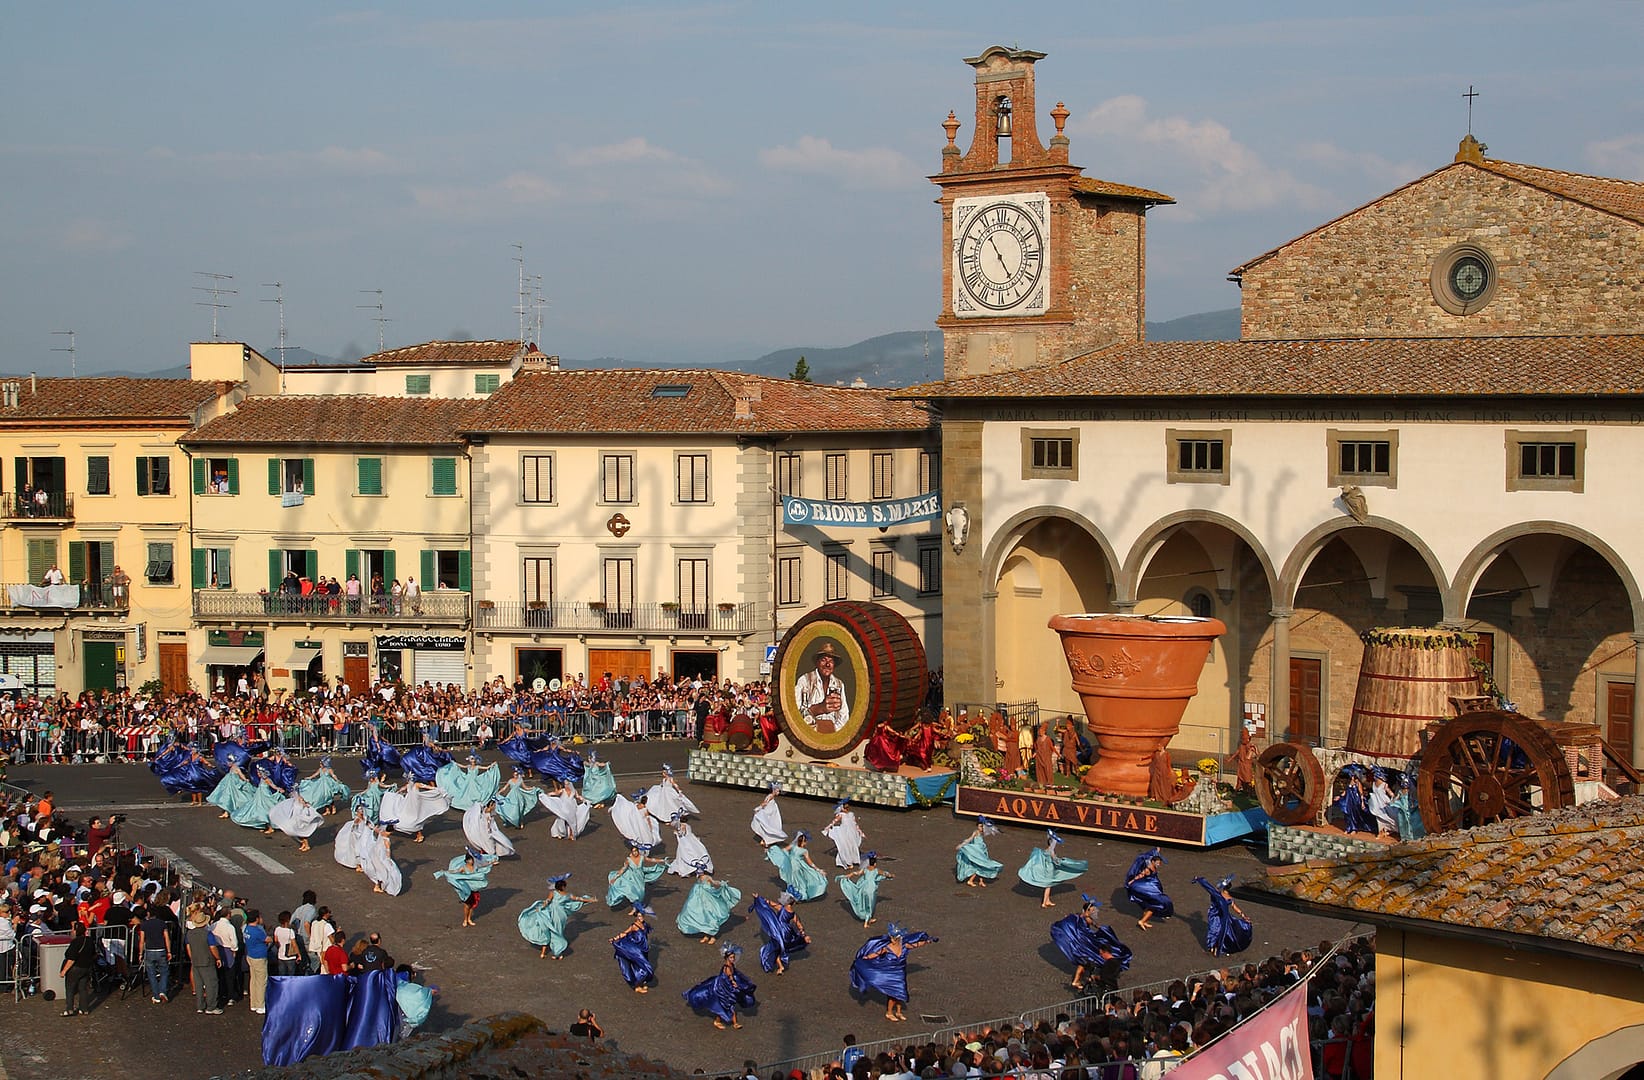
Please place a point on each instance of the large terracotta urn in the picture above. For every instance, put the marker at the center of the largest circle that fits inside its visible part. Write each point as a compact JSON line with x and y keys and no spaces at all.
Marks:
{"x":1135,"y":674}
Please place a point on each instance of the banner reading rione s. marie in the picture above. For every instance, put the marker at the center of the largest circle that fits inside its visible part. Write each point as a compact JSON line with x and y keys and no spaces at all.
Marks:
{"x":866,"y":515}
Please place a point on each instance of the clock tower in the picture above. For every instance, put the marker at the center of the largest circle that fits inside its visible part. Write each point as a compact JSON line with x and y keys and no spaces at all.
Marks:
{"x":1039,"y":262}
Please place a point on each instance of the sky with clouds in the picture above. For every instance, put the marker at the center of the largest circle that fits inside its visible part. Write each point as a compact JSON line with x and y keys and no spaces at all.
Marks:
{"x":700,"y":183}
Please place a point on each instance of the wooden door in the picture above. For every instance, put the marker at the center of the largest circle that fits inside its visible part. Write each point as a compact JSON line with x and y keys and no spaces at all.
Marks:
{"x":1618,"y":708}
{"x":357,"y":674}
{"x":174,"y":667}
{"x":629,"y":663}
{"x":1306,"y":686}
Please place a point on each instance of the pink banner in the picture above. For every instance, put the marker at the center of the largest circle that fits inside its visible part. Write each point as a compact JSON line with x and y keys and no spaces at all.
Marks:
{"x":1272,"y":1045}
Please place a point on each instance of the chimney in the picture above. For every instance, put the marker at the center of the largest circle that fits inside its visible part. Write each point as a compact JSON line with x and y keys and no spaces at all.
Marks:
{"x":744,"y":406}
{"x":10,"y":393}
{"x":553,"y":363}
{"x":34,"y":387}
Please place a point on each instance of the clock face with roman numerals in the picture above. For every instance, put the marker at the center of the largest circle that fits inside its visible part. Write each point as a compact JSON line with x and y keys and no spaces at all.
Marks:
{"x":1000,"y":250}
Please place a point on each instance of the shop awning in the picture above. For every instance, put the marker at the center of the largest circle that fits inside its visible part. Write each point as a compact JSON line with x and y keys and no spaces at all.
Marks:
{"x":302,"y":655}
{"x":229,"y":655}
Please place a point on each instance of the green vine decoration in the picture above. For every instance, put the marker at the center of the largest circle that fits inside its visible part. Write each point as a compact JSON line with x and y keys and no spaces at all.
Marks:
{"x":1487,"y":681}
{"x":935,"y":800}
{"x":1425,"y":639}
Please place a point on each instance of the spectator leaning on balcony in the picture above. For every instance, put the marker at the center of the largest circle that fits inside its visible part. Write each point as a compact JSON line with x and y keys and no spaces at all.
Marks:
{"x":120,"y":582}
{"x":412,"y":596}
{"x":54,"y":576}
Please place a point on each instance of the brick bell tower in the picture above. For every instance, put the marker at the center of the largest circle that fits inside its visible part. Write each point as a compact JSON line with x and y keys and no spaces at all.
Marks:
{"x":1040,"y":263}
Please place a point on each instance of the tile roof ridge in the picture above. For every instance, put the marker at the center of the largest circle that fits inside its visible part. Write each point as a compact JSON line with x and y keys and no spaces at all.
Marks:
{"x":1491,"y":162}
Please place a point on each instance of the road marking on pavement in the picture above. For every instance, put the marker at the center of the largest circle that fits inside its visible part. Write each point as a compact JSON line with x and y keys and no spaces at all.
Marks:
{"x":166,"y":855}
{"x":267,"y":862}
{"x":221,"y":861}
{"x":102,"y":807}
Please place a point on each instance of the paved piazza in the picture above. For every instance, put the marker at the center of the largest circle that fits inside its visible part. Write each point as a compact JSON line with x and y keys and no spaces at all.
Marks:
{"x":995,"y":958}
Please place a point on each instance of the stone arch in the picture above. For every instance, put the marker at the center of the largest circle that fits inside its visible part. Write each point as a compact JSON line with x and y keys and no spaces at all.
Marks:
{"x":1473,"y":565}
{"x":1607,"y":1057}
{"x":1019,"y":524}
{"x":1311,"y":543}
{"x":1147,"y":543}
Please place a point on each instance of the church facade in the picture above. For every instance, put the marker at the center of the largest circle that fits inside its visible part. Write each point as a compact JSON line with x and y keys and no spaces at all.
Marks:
{"x":1431,"y":419}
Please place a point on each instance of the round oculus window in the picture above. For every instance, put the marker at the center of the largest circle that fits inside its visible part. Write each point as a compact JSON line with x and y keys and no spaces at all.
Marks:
{"x":1469,"y":278}
{"x":1463,"y":279}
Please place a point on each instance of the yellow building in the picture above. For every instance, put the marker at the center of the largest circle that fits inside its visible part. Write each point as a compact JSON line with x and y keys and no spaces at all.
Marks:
{"x":1510,"y":950}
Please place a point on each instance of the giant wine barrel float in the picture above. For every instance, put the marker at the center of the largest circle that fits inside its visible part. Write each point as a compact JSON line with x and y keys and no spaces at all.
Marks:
{"x":842,"y":670}
{"x":1408,"y":679}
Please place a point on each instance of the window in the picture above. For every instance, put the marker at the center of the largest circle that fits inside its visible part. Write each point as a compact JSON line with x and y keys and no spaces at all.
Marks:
{"x":1200,"y":604}
{"x":1463,"y":279}
{"x":671,"y":390}
{"x":788,"y":473}
{"x":788,"y":592}
{"x":154,"y":476}
{"x":445,"y":476}
{"x":884,"y":572}
{"x":217,"y":476}
{"x":539,"y":579}
{"x":691,"y":583}
{"x":930,"y":471}
{"x":838,"y":583}
{"x":835,"y":487}
{"x":1546,"y":460}
{"x":618,"y":594}
{"x":96,"y":476}
{"x":616,"y":478}
{"x":368,"y":475}
{"x":930,"y":569}
{"x":447,"y":568}
{"x":1198,"y":457}
{"x":286,"y":569}
{"x":418,"y":384}
{"x":42,"y":557}
{"x":536,"y":478}
{"x":691,"y":478}
{"x":214,"y":569}
{"x":1365,"y":458}
{"x":158,"y":569}
{"x":374,"y":567}
{"x":1050,"y":455}
{"x":487,"y":384}
{"x":291,"y":476}
{"x":884,"y":474}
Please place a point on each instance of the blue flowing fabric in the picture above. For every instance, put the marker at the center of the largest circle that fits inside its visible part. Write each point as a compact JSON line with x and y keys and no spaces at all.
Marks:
{"x":782,"y":937}
{"x":1352,"y":806}
{"x":283,"y":773}
{"x":422,"y":763}
{"x":802,"y":879}
{"x":707,"y":907}
{"x":1043,"y":869}
{"x":560,"y":764}
{"x":862,"y":892}
{"x":323,"y":1014}
{"x":1082,"y":943}
{"x":598,"y":784}
{"x":467,"y":882}
{"x":228,"y":752}
{"x":324,"y":791}
{"x":1225,"y":933}
{"x":179,"y":772}
{"x":888,"y":974}
{"x":722,"y":994}
{"x":1147,"y":893}
{"x":633,"y":956}
{"x":380,"y":757}
{"x":972,"y":858}
{"x":519,"y":748}
{"x":166,"y":763}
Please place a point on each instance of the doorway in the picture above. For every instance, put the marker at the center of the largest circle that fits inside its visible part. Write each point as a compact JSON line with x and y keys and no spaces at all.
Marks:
{"x":696,"y":664}
{"x":1306,"y":698}
{"x":174,"y":667}
{"x":102,"y":664}
{"x":1618,"y":713}
{"x":625,"y":664}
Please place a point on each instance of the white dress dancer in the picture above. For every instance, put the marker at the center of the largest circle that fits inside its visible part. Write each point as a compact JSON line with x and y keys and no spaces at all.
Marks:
{"x":379,"y":864}
{"x":484,"y":834}
{"x":570,"y":811}
{"x":354,"y":838}
{"x":666,"y":801}
{"x":634,"y":821}
{"x":847,"y":836}
{"x":690,"y":853}
{"x":767,"y":819}
{"x":413,"y":806}
{"x":295,"y":818}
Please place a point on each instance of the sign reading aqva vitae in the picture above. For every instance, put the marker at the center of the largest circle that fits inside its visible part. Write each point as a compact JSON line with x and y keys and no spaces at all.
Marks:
{"x":866,"y":515}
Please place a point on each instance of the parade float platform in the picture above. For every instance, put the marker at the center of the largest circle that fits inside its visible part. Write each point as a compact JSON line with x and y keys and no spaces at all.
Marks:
{"x":906,"y":788}
{"x":1298,"y":843}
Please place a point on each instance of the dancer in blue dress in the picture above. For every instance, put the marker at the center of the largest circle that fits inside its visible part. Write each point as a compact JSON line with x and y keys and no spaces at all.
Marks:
{"x":707,"y":905}
{"x":881,"y":966}
{"x":793,"y":863}
{"x":379,"y":756}
{"x":1144,"y":888}
{"x":628,"y":882}
{"x":1354,"y":804}
{"x":861,"y":887}
{"x":1227,"y":930}
{"x":323,"y":790}
{"x":598,"y":784}
{"x":1095,"y":950}
{"x":784,"y":933}
{"x":468,"y":873}
{"x":972,"y":864}
{"x":543,"y":923}
{"x":1045,"y":868}
{"x":633,"y":951}
{"x":422,"y":763}
{"x":725,"y":991}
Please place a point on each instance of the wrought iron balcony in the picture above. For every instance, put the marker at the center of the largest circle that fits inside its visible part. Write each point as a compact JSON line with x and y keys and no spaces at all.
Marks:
{"x":42,"y":505}
{"x":581,"y":617}
{"x":442,"y":607}
{"x":82,"y":597}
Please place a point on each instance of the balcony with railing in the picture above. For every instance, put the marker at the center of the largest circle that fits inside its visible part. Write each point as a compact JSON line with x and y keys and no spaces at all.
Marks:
{"x":580,"y":617}
{"x":84,"y":597}
{"x":443,"y":607}
{"x":43,"y":506}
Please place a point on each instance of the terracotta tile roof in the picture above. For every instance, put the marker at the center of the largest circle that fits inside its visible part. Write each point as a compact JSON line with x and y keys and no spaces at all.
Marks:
{"x":447,"y":352}
{"x":618,"y":401}
{"x":339,"y":419}
{"x":1553,"y":365}
{"x":1572,"y":876}
{"x":46,"y":400}
{"x":1089,"y":185}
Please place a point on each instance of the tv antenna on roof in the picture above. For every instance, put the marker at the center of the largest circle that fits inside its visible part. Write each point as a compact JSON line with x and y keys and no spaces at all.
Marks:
{"x":217,"y":290}
{"x":69,"y":349}
{"x":523,"y":309}
{"x":539,"y":303}
{"x":279,"y":301}
{"x":380,"y":319}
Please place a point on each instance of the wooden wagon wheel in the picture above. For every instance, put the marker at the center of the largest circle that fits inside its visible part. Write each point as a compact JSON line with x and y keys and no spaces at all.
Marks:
{"x":1290,"y":783}
{"x":1487,"y":766}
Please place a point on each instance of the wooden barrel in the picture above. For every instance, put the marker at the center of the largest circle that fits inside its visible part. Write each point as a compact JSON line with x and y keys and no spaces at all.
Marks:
{"x":1406,"y":680}
{"x":739,"y":733}
{"x":842,"y":670}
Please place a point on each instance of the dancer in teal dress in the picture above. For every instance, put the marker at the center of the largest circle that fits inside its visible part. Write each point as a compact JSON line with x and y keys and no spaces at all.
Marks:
{"x":793,"y":863}
{"x":861,"y":886}
{"x":707,"y":905}
{"x":598,"y":785}
{"x":638,"y":870}
{"x":972,"y":863}
{"x":373,"y":794}
{"x":543,"y":923}
{"x":468,"y":784}
{"x":323,"y":791}
{"x":516,"y":799}
{"x":1045,"y":868}
{"x":468,"y":873}
{"x":253,"y":812}
{"x":231,"y":792}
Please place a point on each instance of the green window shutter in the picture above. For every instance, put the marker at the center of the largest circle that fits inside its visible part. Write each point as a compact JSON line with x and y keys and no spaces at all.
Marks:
{"x":428,"y":568}
{"x":233,"y":476}
{"x":42,"y":554}
{"x":351,"y":563}
{"x":465,"y":571}
{"x":97,"y":476}
{"x":388,"y":568}
{"x":225,"y":568}
{"x":199,"y":476}
{"x":21,"y":467}
{"x":105,"y":558}
{"x":276,"y":569}
{"x":308,"y":476}
{"x":445,"y":476}
{"x":142,"y":476}
{"x":273,"y":476}
{"x":311,"y":565}
{"x":198,"y":563}
{"x":77,"y":561}
{"x":370,"y":470}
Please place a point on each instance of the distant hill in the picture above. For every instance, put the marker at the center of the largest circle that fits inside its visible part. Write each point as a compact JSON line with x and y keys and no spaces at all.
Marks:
{"x":1205,"y":326}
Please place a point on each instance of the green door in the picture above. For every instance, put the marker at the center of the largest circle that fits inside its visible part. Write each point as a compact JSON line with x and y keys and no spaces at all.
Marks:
{"x":100,"y":667}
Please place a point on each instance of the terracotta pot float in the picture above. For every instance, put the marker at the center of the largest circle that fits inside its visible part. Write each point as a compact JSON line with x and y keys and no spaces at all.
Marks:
{"x":1135,"y":675}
